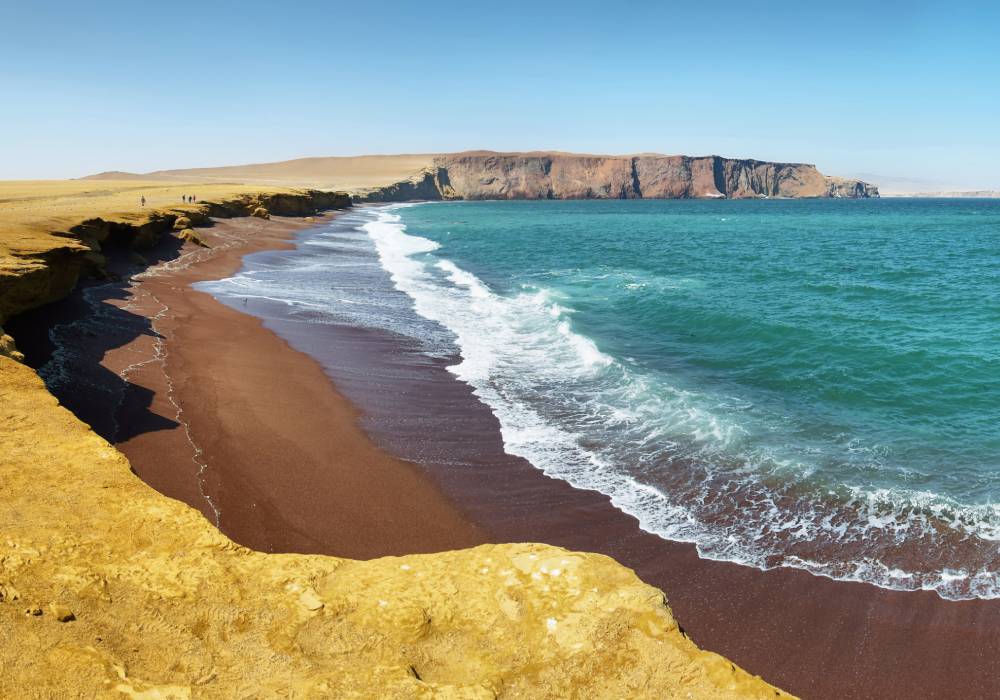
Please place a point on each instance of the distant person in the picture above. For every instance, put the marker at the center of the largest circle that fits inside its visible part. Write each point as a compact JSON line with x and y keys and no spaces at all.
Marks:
{"x":142,"y":200}
{"x":184,"y":197}
{"x":193,"y":198}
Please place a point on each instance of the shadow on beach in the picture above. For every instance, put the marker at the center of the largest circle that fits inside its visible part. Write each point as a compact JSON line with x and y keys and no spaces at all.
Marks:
{"x":67,"y":341}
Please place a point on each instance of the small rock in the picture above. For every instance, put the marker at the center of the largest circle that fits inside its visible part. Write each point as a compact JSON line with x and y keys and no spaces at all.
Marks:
{"x":261,"y":213}
{"x":61,"y":613}
{"x":33,"y":610}
{"x":181,"y":223}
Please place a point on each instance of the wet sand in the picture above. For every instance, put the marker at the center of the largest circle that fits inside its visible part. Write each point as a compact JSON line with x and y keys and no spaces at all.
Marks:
{"x":220,"y":412}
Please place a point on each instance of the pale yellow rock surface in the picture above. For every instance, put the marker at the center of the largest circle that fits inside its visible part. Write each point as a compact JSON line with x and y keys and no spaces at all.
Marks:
{"x":156,"y":603}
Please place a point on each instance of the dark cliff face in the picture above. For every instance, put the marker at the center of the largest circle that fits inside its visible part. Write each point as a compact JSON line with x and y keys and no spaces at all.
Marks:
{"x":485,"y":175}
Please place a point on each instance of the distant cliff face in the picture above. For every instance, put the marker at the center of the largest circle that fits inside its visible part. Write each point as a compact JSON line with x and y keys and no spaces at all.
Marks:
{"x":487,"y":175}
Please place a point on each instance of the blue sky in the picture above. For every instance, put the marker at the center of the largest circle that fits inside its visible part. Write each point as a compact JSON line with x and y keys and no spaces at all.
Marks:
{"x":897,"y":89}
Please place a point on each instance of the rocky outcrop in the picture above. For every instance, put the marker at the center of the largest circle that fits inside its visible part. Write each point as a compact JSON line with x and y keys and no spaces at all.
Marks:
{"x":109,"y":589}
{"x":488,"y":175}
{"x":428,"y":184}
{"x":305,"y":203}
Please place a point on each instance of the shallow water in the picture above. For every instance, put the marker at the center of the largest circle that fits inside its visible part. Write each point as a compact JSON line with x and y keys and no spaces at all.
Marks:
{"x":784,"y":383}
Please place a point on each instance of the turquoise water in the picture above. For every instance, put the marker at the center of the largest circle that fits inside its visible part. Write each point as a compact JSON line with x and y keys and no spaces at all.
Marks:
{"x":812,"y":384}
{"x":802,"y":383}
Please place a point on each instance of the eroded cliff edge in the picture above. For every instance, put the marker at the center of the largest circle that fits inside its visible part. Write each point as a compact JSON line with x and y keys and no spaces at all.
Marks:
{"x":40,"y":265}
{"x":108,"y":588}
{"x":489,"y":175}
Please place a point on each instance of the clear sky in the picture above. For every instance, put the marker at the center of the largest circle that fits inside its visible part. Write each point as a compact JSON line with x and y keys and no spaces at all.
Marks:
{"x":900,"y":89}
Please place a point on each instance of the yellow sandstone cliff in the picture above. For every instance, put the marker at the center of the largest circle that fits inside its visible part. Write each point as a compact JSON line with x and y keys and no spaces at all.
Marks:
{"x":109,"y":589}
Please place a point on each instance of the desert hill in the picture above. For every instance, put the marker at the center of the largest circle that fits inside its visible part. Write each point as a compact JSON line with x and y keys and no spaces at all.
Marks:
{"x":530,"y":175}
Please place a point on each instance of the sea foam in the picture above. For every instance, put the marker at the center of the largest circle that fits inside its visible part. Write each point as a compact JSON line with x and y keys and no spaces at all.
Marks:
{"x":678,"y":460}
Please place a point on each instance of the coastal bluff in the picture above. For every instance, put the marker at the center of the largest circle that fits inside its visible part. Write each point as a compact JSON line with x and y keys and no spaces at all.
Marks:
{"x":487,"y":175}
{"x":110,"y":589}
{"x":530,"y":175}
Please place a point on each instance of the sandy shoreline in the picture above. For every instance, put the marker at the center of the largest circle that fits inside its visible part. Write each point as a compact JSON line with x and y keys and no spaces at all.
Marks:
{"x":225,"y":415}
{"x":220,"y":413}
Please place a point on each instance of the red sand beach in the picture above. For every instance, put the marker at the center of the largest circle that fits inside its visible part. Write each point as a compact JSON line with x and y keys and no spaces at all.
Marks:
{"x":218,"y":411}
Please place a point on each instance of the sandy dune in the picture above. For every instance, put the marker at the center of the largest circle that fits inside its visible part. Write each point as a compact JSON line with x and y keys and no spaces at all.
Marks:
{"x":338,"y":173}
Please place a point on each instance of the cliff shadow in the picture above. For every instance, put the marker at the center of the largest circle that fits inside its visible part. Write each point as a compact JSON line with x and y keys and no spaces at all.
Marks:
{"x":67,"y":340}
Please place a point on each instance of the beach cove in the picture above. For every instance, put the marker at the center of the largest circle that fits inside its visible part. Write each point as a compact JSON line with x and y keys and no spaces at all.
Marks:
{"x":114,"y":572}
{"x":418,"y":410}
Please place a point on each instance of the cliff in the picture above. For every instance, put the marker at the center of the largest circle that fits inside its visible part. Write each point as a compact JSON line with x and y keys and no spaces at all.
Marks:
{"x":52,"y":233}
{"x":488,"y":175}
{"x":110,"y":589}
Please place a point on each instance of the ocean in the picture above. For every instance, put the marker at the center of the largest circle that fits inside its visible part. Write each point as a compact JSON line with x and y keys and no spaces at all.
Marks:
{"x":801,"y":383}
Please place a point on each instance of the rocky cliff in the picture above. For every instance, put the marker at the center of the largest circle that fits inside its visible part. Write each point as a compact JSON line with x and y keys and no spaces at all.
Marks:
{"x":110,"y":589}
{"x":488,"y":175}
